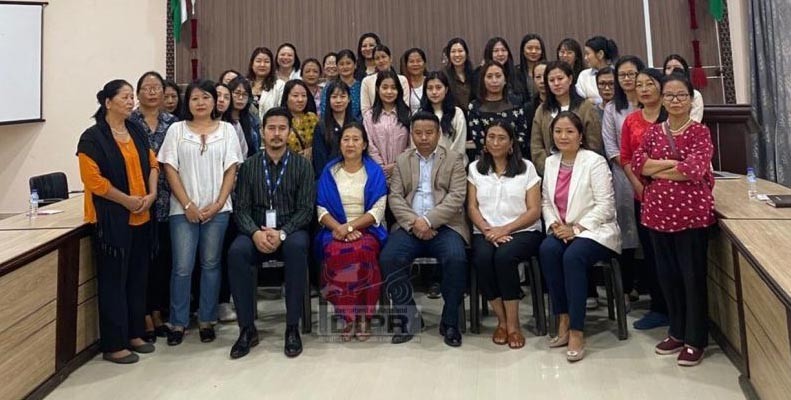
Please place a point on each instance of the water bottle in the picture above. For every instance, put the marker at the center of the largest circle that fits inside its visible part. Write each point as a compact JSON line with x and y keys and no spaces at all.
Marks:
{"x":752,"y":190}
{"x":33,"y":212}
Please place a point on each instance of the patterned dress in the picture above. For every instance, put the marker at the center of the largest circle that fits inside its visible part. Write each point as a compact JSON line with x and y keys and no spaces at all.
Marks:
{"x":155,"y":139}
{"x":478,"y":120}
{"x":301,"y":136}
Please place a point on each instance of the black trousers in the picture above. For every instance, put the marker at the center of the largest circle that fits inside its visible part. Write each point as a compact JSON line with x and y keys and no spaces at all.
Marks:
{"x":158,"y":298}
{"x":122,"y":292}
{"x":244,"y":260}
{"x":681,"y":267}
{"x":498,"y":274}
{"x":649,"y":278}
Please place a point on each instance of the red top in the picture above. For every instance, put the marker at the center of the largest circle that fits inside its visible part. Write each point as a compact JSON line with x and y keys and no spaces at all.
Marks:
{"x":673,"y":206}
{"x":632,"y":131}
{"x":562,"y":190}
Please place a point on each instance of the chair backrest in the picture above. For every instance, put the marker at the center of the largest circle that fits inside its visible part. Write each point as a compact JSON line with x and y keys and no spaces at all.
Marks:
{"x":52,"y":186}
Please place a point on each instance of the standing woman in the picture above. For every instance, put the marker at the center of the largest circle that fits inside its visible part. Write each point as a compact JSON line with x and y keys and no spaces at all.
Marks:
{"x":460,"y":73}
{"x":605,"y":84}
{"x":200,"y":155}
{"x":223,"y":97}
{"x":675,"y":62}
{"x":365,"y":64}
{"x":635,"y":125}
{"x":384,"y":60}
{"x":561,"y":97}
{"x":303,"y":117}
{"x":570,"y":52}
{"x":328,"y":131}
{"x":247,"y":125}
{"x":624,"y":102}
{"x":540,"y":95}
{"x":287,"y":62}
{"x":346,"y":65}
{"x":532,"y":52}
{"x":387,"y":122}
{"x":311,"y":74}
{"x":120,"y":175}
{"x":497,"y":50}
{"x":504,"y":205}
{"x":266,"y":88}
{"x":351,"y":201}
{"x":228,"y":75}
{"x":439,"y":100}
{"x":413,"y":65}
{"x":172,"y":99}
{"x":493,"y":104}
{"x":679,"y":207}
{"x":599,"y":53}
{"x":155,"y":122}
{"x":330,"y":67}
{"x":578,"y":205}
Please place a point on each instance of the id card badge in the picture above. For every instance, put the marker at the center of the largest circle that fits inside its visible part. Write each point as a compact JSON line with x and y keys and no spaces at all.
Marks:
{"x":271,"y":219}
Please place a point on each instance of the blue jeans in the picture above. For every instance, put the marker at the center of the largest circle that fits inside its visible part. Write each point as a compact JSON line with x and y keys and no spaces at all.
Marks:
{"x":565,"y":267}
{"x":187,"y":238}
{"x":447,"y":247}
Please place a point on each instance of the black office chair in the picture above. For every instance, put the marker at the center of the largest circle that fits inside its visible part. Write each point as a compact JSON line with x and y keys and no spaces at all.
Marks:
{"x":51,"y":188}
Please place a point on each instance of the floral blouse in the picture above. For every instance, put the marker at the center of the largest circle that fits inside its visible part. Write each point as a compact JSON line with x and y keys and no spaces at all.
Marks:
{"x":478,"y":120}
{"x":673,"y":206}
{"x":301,"y":136}
{"x":155,"y":139}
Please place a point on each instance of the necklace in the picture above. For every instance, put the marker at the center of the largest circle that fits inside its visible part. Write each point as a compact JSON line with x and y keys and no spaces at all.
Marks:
{"x":567,"y":164}
{"x":680,"y":128}
{"x":119,"y":132}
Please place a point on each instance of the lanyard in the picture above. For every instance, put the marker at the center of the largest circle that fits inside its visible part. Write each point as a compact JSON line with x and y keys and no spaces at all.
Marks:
{"x":270,"y":189}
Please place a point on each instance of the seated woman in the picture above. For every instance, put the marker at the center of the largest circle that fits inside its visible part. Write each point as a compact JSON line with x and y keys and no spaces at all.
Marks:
{"x":578,"y":205}
{"x":352,"y":194}
{"x":504,"y":205}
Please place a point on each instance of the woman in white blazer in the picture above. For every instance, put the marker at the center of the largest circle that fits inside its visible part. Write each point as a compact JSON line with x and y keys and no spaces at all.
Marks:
{"x":578,"y":206}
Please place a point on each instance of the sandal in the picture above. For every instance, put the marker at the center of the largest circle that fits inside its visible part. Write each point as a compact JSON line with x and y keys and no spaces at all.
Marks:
{"x":500,"y":336}
{"x":559,"y":341}
{"x":516,"y":340}
{"x":363,"y":331}
{"x":348,"y":332}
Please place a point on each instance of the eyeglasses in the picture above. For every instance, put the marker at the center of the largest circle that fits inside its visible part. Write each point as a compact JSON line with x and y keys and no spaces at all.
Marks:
{"x":240,"y":95}
{"x":151,"y":89}
{"x":669,"y":97}
{"x":624,"y":75}
{"x":606,"y":84}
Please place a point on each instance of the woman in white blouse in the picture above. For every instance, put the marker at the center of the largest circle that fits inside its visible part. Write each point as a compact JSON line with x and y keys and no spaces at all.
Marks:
{"x":578,"y":205}
{"x":504,"y":205}
{"x":439,"y":100}
{"x":352,"y":194}
{"x":200,"y":156}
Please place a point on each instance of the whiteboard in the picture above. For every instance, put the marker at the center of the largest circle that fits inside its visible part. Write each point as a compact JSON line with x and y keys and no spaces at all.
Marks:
{"x":20,"y":62}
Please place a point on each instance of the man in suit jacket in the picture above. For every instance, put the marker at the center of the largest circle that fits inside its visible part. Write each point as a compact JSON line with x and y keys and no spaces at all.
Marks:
{"x":427,"y":192}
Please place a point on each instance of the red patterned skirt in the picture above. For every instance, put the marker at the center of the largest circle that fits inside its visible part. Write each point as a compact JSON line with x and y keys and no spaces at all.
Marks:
{"x":351,"y":279}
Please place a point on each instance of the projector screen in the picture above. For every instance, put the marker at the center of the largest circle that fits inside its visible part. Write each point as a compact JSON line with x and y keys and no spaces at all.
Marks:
{"x":20,"y":62}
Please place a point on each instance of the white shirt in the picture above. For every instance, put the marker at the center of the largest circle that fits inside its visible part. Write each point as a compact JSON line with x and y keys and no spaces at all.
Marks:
{"x":501,"y":200}
{"x":458,"y":142}
{"x":201,"y":174}
{"x":270,"y":98}
{"x":697,"y":107}
{"x":586,"y":85}
{"x":415,"y":96}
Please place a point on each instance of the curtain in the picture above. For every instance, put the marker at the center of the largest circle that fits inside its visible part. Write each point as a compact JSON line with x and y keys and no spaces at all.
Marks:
{"x":770,"y":48}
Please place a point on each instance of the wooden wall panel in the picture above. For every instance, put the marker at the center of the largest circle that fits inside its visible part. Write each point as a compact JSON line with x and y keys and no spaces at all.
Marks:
{"x":87,"y":262}
{"x":87,"y":324}
{"x":27,"y":353}
{"x":26,"y":290}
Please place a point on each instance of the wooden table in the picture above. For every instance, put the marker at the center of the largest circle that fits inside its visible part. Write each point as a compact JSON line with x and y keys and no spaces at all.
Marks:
{"x":70,"y":218}
{"x":731,"y":201}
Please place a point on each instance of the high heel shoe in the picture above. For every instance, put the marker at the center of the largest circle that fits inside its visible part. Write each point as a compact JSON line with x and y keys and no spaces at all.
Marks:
{"x":559,"y":341}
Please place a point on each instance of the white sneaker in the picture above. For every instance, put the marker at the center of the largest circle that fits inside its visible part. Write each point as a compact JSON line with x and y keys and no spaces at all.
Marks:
{"x":591,"y":303}
{"x":225,"y":312}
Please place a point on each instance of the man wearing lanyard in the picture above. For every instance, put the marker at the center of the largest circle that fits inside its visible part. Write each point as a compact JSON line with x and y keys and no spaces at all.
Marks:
{"x":275,"y":196}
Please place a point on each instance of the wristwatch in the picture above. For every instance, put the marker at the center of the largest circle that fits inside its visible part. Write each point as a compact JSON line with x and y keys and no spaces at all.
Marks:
{"x":282,"y":236}
{"x":576,"y":230}
{"x":349,"y":228}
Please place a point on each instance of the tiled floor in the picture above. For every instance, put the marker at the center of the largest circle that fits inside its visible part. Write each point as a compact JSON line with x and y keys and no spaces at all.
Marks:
{"x":422,"y":369}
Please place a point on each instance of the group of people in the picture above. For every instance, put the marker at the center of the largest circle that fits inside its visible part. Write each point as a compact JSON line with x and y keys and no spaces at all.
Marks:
{"x":350,"y":166}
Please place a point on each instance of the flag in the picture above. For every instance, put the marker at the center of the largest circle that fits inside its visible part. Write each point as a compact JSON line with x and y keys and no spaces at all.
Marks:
{"x":717,"y":9}
{"x":179,"y":11}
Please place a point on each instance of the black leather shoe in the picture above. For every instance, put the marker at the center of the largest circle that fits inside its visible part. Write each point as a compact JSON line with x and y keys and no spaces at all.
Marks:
{"x":248,"y":337}
{"x":162,"y":331}
{"x":451,"y":334}
{"x":404,"y":337}
{"x":293,"y":345}
{"x":434,"y":291}
{"x":207,"y":335}
{"x":150,"y":337}
{"x":175,"y":337}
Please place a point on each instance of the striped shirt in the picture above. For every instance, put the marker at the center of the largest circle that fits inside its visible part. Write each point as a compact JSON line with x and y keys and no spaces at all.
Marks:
{"x":294,"y":198}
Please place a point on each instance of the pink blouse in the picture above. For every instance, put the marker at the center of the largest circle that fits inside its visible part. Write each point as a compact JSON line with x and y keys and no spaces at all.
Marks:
{"x":562,"y":190}
{"x":673,"y":206}
{"x":387,"y":138}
